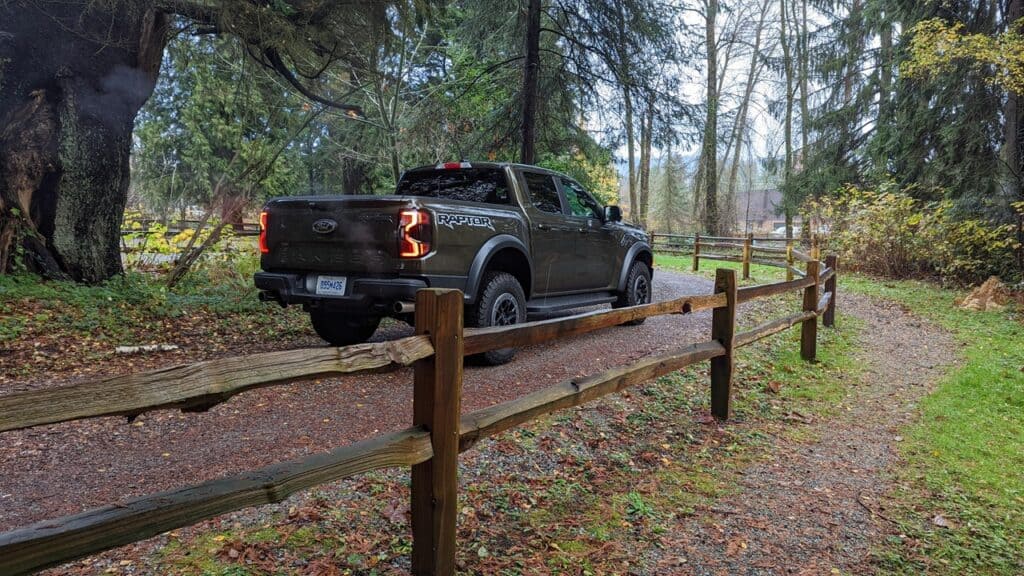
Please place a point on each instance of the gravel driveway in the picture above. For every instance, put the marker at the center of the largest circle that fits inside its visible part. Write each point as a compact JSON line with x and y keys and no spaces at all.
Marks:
{"x":63,"y":469}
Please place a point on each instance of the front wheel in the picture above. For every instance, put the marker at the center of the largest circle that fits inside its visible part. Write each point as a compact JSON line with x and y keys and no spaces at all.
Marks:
{"x":342,"y":329}
{"x":638,"y":290}
{"x":501,"y":302}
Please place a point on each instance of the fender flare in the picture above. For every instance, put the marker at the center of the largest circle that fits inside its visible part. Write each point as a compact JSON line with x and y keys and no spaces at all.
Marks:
{"x":483,"y":258}
{"x":634,"y":251}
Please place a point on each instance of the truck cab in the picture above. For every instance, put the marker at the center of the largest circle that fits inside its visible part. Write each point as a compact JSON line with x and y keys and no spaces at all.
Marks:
{"x":517,"y":240}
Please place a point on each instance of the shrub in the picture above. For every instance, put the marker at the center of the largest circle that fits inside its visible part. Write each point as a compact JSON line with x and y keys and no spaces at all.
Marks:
{"x":889,"y":233}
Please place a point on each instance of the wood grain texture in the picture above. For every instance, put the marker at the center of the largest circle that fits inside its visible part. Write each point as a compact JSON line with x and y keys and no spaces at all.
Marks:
{"x":492,"y":420}
{"x":437,"y":401}
{"x":723,"y":330}
{"x":798,"y":255}
{"x":530,"y":333}
{"x":696,"y":252}
{"x":831,"y":281}
{"x":770,"y":250}
{"x":823,"y":303}
{"x":722,"y":257}
{"x":770,"y":328}
{"x":200,"y":385}
{"x":809,"y":328}
{"x":54,"y":542}
{"x":747,"y":254}
{"x":748,"y":293}
{"x":733,"y":245}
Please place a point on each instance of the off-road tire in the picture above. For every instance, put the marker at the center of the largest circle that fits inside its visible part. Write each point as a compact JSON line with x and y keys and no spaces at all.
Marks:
{"x":342,"y":329}
{"x":501,"y":302}
{"x":638,"y":290}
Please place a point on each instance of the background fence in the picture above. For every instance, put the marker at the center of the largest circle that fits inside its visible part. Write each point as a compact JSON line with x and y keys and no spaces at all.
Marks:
{"x":439,"y":431}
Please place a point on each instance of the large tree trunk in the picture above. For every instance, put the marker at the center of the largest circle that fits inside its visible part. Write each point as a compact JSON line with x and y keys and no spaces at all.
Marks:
{"x":1014,"y":127}
{"x":531,"y":72}
{"x":787,"y":64}
{"x":646,"y":144}
{"x":72,"y":79}
{"x":710,"y":147}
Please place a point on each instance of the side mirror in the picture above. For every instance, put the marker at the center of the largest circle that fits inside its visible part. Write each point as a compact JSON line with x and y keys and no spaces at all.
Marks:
{"x":612,"y":214}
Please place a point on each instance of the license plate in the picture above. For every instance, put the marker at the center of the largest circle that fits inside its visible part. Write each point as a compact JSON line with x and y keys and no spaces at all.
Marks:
{"x":331,"y":285}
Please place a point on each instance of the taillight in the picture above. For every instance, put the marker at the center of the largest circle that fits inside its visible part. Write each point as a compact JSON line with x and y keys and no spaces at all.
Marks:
{"x":414,"y":234}
{"x":264,"y":218}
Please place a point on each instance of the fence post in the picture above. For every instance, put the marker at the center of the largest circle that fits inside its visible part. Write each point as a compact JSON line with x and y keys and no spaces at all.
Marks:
{"x":437,"y":398}
{"x":748,"y":248}
{"x":829,"y":319}
{"x":696,"y":252}
{"x":723,"y":329}
{"x":789,"y":260}
{"x":809,"y":330}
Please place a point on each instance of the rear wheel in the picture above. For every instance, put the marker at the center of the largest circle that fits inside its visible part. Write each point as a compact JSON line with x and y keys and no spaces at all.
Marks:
{"x":638,"y":290}
{"x":501,"y":302}
{"x":342,"y":329}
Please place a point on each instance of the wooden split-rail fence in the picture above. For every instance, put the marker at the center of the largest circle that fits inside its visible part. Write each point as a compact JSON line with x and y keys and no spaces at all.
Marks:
{"x":430,"y":446}
{"x":746,"y":250}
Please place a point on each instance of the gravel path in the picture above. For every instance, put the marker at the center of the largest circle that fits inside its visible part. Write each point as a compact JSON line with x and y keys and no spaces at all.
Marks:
{"x":805,"y":510}
{"x":63,"y":469}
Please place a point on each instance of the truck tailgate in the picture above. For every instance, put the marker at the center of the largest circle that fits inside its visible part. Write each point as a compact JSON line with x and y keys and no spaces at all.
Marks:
{"x":344,"y":234}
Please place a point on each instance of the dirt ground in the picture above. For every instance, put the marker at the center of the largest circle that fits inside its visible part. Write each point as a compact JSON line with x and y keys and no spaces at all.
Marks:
{"x":53,"y":471}
{"x":814,"y":506}
{"x":811,"y":506}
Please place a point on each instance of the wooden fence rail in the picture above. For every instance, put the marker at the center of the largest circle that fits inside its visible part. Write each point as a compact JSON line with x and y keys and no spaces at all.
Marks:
{"x":430,"y":447}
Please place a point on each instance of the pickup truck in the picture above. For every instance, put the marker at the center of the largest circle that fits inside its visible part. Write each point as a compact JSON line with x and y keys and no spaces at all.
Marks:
{"x":517,"y":240}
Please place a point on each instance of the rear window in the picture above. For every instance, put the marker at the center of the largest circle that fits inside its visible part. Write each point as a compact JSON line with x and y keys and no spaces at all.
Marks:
{"x":486,"y":185}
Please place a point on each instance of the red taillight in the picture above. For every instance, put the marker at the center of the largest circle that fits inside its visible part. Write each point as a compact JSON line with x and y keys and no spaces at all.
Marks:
{"x":414,"y":234}
{"x":264,"y":218}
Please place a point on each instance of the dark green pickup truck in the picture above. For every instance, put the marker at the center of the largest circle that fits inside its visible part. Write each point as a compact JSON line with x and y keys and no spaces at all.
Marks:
{"x":516,"y":239}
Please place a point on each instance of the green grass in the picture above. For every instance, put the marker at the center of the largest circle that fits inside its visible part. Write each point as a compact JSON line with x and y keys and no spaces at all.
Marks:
{"x":966,"y":450}
{"x":54,"y":325}
{"x":759,"y":274}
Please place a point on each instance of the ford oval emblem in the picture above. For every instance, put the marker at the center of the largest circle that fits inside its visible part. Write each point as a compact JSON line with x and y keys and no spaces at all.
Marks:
{"x":324,"y":226}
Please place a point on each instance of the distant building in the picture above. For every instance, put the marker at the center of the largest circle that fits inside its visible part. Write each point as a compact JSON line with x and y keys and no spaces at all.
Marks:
{"x":760,"y":211}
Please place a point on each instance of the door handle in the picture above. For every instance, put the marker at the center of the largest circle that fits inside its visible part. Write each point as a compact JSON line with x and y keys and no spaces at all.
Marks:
{"x":582,"y":230}
{"x":543,"y":227}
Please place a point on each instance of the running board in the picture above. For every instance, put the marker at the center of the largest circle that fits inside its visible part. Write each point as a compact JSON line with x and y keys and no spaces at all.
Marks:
{"x":558,"y":303}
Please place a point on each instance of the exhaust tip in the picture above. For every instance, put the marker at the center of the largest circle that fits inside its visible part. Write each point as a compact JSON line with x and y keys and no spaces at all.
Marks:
{"x":404,"y":307}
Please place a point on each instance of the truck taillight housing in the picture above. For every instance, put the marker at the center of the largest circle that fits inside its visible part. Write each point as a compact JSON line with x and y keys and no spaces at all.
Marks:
{"x":264,"y":218}
{"x":414,"y":234}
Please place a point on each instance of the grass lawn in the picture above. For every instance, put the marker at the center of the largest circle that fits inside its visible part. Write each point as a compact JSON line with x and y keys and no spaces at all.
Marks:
{"x":965,"y":453}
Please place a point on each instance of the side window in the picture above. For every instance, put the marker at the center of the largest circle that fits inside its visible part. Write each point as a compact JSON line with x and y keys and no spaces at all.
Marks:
{"x":580,"y":203}
{"x":543,"y":192}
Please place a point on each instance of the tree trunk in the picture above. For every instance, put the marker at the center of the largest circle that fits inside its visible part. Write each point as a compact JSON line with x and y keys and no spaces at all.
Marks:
{"x":72,"y":78}
{"x":787,"y":65}
{"x":804,"y":55}
{"x":710,"y":148}
{"x":1014,"y":126}
{"x":741,"y":121}
{"x":531,"y":73}
{"x":634,"y":204}
{"x":646,"y":144}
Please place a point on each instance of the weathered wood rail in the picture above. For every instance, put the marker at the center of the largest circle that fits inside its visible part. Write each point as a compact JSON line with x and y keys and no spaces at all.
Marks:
{"x":765,"y":251}
{"x":430,"y":447}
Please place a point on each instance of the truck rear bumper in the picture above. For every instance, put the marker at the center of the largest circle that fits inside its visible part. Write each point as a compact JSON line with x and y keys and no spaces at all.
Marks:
{"x":363,"y":296}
